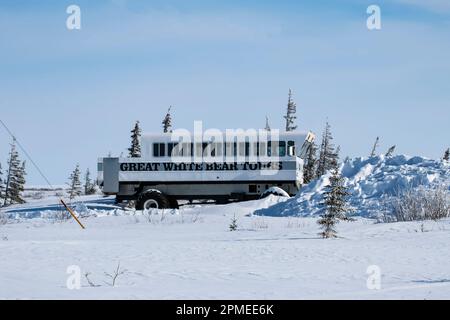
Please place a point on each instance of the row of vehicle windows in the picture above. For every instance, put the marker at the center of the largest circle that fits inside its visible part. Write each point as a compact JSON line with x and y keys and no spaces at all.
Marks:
{"x":244,"y":149}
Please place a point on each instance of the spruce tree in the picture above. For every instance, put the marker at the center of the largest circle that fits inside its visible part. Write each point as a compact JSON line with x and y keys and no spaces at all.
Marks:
{"x":334,"y":162}
{"x":233,"y":225}
{"x":335,"y":203}
{"x":327,"y":155}
{"x":75,"y":183}
{"x":374,"y":148}
{"x":290,"y":113}
{"x":16,"y":178}
{"x":135,"y":149}
{"x":89,"y":187}
{"x":267,"y":128}
{"x":390,"y":152}
{"x":167,"y":122}
{"x":309,"y":170}
{"x":21,"y":182}
{"x":447,"y":155}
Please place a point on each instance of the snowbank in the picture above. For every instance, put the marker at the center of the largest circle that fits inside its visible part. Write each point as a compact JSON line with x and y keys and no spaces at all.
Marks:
{"x":370,"y":182}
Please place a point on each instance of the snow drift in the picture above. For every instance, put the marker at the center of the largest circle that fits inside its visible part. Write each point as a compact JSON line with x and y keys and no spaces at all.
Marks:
{"x":370,"y":182}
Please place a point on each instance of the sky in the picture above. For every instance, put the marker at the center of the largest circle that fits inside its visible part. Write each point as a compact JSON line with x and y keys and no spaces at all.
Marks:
{"x":71,"y":96}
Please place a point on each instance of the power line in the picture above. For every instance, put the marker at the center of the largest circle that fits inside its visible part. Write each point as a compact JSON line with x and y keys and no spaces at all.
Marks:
{"x":26,"y":153}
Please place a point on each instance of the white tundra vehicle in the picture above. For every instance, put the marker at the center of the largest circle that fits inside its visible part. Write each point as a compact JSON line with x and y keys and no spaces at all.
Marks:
{"x":223,"y":168}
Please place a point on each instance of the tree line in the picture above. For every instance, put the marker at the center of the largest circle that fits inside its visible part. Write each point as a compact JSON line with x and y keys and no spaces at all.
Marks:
{"x":76,"y":187}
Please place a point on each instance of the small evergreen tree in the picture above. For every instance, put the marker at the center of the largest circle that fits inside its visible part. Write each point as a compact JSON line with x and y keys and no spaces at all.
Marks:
{"x":390,"y":152}
{"x":447,"y":155}
{"x":15,"y":183}
{"x":290,"y":113}
{"x":89,"y":187}
{"x":233,"y":224}
{"x":327,"y":155}
{"x":167,"y":122}
{"x":334,"y":158}
{"x":75,"y":183}
{"x":267,"y":128}
{"x":135,"y":149}
{"x":374,"y":148}
{"x":336,"y":207}
{"x":309,"y":170}
{"x":21,"y":182}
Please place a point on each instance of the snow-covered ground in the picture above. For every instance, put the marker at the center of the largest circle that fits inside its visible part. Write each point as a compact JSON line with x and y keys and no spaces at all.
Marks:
{"x":191,"y":254}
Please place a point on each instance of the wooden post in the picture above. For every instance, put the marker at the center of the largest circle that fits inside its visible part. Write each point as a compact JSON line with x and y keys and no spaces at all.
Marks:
{"x":72,"y":214}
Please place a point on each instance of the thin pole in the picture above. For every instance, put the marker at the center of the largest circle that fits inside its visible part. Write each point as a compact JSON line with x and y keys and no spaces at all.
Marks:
{"x":72,"y":213}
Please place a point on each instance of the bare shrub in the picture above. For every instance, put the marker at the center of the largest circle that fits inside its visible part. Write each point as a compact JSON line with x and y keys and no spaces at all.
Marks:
{"x":92,"y":284}
{"x":38,"y":195}
{"x":169,"y":216}
{"x":60,"y":216}
{"x":113,"y":276}
{"x":196,"y":217}
{"x":60,"y":193}
{"x":260,"y":223}
{"x":3,"y":218}
{"x":296,"y":223}
{"x":421,"y":203}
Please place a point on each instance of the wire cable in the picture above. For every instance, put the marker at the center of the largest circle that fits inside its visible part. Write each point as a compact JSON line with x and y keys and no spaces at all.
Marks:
{"x":26,"y":154}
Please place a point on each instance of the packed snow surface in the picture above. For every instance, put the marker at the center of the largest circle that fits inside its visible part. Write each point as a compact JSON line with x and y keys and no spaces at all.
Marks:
{"x":191,"y":254}
{"x":370,"y":182}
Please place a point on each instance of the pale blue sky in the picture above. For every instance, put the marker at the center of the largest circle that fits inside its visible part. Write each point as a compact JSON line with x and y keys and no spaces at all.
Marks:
{"x":72,"y":96}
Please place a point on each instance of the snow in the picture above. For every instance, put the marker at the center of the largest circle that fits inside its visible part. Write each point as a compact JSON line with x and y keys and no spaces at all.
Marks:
{"x":370,"y":182}
{"x":191,"y":254}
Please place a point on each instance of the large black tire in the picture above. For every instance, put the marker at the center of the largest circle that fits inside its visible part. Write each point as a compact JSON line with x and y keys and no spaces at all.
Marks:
{"x":265,"y":195}
{"x":173,"y":203}
{"x":152,"y":200}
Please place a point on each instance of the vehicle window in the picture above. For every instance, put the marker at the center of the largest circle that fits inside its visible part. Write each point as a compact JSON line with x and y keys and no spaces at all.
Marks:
{"x":198,"y":150}
{"x":282,"y":149}
{"x":156,"y":149}
{"x":273,"y":149}
{"x":228,"y":149}
{"x":291,"y":148}
{"x":241,"y":149}
{"x":255,"y":149}
{"x":217,"y":149}
{"x":162,"y":149}
{"x":170,"y":147}
{"x":262,"y":149}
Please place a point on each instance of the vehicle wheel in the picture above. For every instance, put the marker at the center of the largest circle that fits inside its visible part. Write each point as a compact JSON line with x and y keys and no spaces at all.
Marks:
{"x":152,"y":200}
{"x":173,"y":203}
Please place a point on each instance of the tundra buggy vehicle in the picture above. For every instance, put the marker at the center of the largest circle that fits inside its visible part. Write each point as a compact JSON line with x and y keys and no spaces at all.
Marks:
{"x":223,"y":167}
